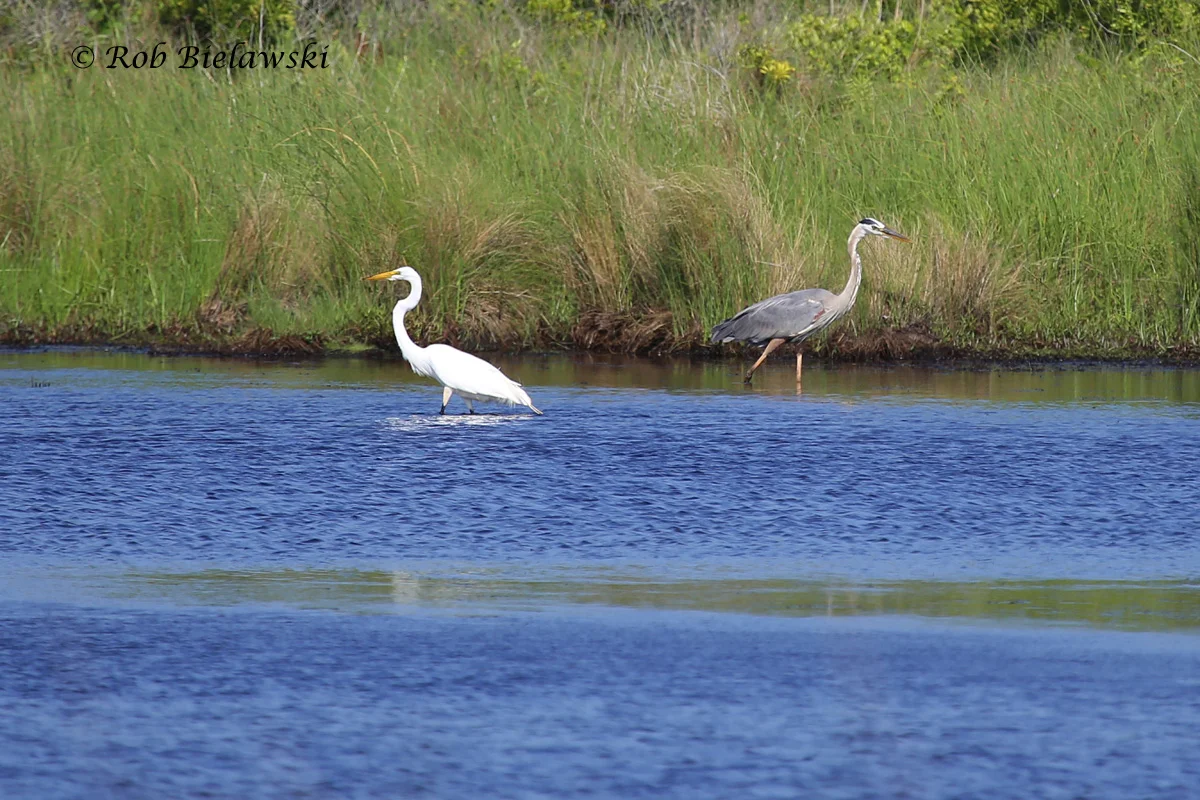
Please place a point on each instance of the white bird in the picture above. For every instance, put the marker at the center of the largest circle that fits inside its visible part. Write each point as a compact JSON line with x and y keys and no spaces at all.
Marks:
{"x":472,"y":377}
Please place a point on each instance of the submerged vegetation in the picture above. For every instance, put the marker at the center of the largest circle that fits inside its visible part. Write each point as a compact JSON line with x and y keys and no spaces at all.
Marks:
{"x":612,"y":175}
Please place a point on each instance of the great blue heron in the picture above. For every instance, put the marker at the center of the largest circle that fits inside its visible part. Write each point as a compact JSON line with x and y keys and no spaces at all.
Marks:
{"x":795,"y":316}
{"x":472,"y":377}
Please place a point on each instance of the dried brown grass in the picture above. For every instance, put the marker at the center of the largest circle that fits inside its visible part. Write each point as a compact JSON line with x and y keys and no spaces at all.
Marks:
{"x":640,"y":239}
{"x":254,"y":245}
{"x":17,"y":205}
{"x":647,"y":331}
{"x":28,"y":25}
{"x":949,"y":279}
{"x":472,"y":263}
{"x":276,"y":243}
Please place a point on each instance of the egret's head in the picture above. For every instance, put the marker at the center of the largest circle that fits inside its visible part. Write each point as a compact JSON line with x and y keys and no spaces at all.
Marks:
{"x":876,"y":228}
{"x":403,"y":274}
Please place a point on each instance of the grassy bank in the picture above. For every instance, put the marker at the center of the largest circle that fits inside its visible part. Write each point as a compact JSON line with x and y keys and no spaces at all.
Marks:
{"x":626,"y":191}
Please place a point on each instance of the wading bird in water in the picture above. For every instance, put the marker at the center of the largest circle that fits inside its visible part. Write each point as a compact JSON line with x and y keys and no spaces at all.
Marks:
{"x":795,"y":316}
{"x":472,"y":377}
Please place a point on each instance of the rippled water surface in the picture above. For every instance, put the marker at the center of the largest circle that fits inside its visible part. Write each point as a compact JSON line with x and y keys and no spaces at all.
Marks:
{"x":227,"y":578}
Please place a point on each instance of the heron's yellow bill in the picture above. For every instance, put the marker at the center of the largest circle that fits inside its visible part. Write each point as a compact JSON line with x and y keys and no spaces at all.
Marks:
{"x":900,"y":237}
{"x":383,"y":276}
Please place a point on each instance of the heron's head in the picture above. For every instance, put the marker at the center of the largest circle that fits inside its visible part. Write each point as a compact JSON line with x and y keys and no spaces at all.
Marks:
{"x":403,"y":274}
{"x":876,"y":228}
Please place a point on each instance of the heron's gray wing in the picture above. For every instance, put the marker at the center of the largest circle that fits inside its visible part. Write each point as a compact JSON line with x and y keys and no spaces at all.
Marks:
{"x":783,"y":316}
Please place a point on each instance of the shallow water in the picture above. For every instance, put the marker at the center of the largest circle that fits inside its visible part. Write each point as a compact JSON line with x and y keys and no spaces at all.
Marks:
{"x":297,"y":579}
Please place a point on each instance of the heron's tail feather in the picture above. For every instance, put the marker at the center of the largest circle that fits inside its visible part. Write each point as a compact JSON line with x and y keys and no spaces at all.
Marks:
{"x":721,"y":331}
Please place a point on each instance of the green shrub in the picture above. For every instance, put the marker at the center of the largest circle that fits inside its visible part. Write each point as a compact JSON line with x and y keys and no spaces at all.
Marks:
{"x":568,"y":16}
{"x":990,"y":26}
{"x":847,"y":46}
{"x":951,"y":31}
{"x":228,"y":20}
{"x":103,"y":14}
{"x":769,"y":70}
{"x":1144,"y":19}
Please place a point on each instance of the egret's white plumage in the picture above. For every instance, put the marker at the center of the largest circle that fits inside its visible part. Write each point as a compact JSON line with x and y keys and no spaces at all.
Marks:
{"x":470,"y":376}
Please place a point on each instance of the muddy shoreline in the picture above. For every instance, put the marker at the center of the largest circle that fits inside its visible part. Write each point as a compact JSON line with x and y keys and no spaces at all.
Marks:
{"x":890,"y":347}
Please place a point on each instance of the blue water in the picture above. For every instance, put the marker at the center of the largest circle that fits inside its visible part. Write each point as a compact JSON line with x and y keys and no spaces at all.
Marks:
{"x":234,"y":579}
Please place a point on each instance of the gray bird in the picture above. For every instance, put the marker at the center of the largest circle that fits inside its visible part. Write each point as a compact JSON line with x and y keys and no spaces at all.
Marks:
{"x":795,"y":316}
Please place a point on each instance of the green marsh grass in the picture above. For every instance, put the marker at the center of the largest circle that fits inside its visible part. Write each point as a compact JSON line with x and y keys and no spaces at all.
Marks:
{"x":627,"y":192}
{"x":1116,"y":605}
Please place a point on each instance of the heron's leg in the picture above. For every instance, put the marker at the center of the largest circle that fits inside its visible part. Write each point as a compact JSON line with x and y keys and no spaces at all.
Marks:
{"x":470,"y":406}
{"x":766,"y":352}
{"x":446,"y":398}
{"x":799,"y":365}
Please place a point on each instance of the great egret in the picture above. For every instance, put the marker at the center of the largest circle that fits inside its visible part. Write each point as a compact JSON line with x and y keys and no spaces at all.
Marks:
{"x":795,"y":316}
{"x":472,"y":377}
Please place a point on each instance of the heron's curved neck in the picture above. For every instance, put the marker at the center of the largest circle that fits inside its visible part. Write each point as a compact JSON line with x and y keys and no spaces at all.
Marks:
{"x":851,"y":291}
{"x":413,"y":353}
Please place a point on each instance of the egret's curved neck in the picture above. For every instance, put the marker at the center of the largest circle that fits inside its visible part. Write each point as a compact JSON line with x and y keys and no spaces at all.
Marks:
{"x":851,"y":291}
{"x":413,"y":353}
